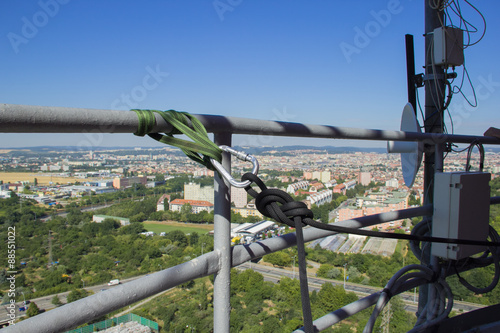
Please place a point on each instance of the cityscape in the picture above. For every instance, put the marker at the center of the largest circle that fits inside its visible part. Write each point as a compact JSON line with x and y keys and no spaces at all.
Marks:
{"x":161,"y":186}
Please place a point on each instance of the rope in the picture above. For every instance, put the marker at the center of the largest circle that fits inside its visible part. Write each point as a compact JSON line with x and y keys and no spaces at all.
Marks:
{"x":200,"y":150}
{"x":267,"y":203}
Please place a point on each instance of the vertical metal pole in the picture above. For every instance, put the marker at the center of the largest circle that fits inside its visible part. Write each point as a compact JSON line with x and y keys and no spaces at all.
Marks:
{"x":410,"y":71}
{"x":222,"y":242}
{"x":434,"y":99}
{"x":433,"y":122}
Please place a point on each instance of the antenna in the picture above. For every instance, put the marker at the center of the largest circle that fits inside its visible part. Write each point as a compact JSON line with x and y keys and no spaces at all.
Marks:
{"x":411,"y":152}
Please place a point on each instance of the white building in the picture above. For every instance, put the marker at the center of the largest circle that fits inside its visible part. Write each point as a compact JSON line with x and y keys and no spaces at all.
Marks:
{"x":99,"y":218}
{"x":365,"y":178}
{"x":321,"y":197}
{"x":194,"y":191}
{"x":302,"y":185}
{"x":392,"y":183}
{"x":197,"y":206}
{"x":239,"y":197}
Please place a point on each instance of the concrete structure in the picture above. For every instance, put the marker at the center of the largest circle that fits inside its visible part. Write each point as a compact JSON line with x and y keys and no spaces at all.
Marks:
{"x":99,"y":218}
{"x":197,"y":206}
{"x":160,"y":205}
{"x":364,"y":178}
{"x":392,"y":183}
{"x":193,"y":191}
{"x":239,"y":197}
{"x":121,"y":183}
{"x":376,"y":203}
{"x":247,"y":211}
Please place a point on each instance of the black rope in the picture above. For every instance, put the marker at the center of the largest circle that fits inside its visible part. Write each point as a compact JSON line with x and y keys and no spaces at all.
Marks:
{"x":280,"y":206}
{"x":267,"y":201}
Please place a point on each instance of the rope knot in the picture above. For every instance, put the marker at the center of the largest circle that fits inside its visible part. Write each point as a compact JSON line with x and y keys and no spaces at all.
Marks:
{"x":277,"y":204}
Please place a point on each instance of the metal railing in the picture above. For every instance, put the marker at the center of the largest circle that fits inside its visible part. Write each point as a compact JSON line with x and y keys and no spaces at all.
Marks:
{"x":35,"y":119}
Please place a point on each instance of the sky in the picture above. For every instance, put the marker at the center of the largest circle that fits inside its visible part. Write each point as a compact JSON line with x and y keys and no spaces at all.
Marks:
{"x":339,"y":63}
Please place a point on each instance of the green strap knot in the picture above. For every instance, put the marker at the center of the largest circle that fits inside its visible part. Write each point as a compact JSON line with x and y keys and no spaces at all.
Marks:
{"x":201,"y":149}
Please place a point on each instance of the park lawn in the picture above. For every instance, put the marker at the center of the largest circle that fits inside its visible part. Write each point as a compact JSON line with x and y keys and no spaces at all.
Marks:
{"x":188,"y":228}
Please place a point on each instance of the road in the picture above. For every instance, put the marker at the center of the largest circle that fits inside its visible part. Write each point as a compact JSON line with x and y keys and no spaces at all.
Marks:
{"x":85,"y":209}
{"x":274,"y":274}
{"x":45,"y":302}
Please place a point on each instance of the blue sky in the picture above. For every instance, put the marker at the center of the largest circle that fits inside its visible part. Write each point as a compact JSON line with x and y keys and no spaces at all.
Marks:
{"x":282,"y":60}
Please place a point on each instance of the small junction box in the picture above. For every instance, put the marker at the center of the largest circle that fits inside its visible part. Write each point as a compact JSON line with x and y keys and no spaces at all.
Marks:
{"x":461,"y":211}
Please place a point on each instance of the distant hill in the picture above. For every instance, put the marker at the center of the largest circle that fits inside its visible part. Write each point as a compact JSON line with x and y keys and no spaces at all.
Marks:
{"x":249,"y":150}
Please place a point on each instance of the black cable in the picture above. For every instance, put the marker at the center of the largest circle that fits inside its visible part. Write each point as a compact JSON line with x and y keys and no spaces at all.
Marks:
{"x":481,"y":155}
{"x":267,"y":204}
{"x":484,"y":258}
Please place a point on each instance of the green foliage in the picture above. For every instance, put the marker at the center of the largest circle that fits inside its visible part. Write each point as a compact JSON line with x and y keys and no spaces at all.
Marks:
{"x":56,"y":301}
{"x":77,"y":294}
{"x":329,"y":272}
{"x":33,"y":310}
{"x":332,"y":297}
{"x":280,"y":258}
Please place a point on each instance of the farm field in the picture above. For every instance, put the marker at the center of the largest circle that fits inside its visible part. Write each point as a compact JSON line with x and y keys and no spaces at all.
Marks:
{"x":187,"y":228}
{"x":42,"y":178}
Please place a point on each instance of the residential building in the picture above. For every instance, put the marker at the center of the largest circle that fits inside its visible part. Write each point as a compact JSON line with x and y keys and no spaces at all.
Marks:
{"x":121,"y":183}
{"x":194,"y":191}
{"x":321,"y":197}
{"x":160,"y":205}
{"x":197,"y":206}
{"x":239,"y":197}
{"x":316,"y":186}
{"x":364,"y":178}
{"x":302,"y":185}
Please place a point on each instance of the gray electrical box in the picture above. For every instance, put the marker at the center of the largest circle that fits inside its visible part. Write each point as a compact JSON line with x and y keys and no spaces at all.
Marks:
{"x":461,"y":211}
{"x":448,"y":46}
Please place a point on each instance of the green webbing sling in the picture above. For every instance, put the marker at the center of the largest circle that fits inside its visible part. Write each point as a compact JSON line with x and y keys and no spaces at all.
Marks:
{"x":200,"y":150}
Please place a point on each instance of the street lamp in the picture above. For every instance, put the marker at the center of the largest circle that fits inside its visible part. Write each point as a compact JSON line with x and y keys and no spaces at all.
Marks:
{"x":345,"y":265}
{"x":83,"y":283}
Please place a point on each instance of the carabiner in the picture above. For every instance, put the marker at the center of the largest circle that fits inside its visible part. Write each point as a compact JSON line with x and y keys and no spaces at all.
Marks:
{"x":241,"y":156}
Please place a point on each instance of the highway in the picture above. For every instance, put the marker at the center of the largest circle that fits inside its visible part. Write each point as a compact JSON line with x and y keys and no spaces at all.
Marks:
{"x":274,"y":274}
{"x":45,"y":302}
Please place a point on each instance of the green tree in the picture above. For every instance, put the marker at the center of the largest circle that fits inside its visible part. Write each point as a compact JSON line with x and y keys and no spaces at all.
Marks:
{"x":56,"y":301}
{"x":332,"y":297}
{"x":77,"y":294}
{"x":33,"y":310}
{"x":279,"y":258}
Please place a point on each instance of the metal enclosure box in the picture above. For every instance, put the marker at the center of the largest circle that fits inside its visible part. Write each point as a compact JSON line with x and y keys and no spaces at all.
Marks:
{"x":448,"y":47}
{"x":461,"y":211}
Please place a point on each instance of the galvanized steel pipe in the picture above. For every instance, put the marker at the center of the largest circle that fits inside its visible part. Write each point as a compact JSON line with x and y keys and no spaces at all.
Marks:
{"x":84,"y":310}
{"x":43,"y":119}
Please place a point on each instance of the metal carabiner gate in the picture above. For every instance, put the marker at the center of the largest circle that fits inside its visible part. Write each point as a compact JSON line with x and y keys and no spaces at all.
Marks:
{"x":241,"y":156}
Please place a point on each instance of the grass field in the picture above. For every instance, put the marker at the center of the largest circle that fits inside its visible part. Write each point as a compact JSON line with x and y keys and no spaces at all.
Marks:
{"x":187,"y":228}
{"x":42,"y":178}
